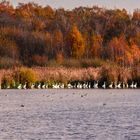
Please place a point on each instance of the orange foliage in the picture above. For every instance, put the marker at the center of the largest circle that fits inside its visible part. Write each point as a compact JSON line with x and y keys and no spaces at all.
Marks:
{"x":59,"y":58}
{"x":33,"y":35}
{"x":135,"y":51}
{"x":121,"y":53}
{"x":76,"y":43}
{"x":96,"y":48}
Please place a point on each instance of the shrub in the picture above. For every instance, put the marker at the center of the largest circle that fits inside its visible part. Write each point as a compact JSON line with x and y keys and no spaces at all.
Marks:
{"x":24,"y":75}
{"x":109,"y":74}
{"x":136,"y":74}
{"x":7,"y":81}
{"x":124,"y":74}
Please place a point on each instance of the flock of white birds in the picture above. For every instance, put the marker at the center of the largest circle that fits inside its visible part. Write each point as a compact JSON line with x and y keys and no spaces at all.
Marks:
{"x":79,"y":85}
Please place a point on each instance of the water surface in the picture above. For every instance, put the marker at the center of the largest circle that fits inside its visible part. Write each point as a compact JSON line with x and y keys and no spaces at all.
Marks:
{"x":69,"y":114}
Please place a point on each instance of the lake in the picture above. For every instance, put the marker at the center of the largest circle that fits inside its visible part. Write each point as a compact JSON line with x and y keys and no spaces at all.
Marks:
{"x":61,"y":114}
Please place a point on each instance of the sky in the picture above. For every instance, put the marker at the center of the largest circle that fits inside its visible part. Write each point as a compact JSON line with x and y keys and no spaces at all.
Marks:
{"x":130,"y":5}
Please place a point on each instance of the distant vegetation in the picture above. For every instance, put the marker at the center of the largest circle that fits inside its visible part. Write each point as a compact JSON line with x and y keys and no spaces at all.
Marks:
{"x":12,"y":78}
{"x":32,"y":35}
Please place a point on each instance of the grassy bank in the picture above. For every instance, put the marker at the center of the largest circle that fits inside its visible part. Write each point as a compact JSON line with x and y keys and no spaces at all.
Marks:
{"x":16,"y":76}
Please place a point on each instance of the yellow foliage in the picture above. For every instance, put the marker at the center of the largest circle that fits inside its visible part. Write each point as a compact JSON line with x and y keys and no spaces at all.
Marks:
{"x":76,"y":42}
{"x":25,"y":75}
{"x":96,"y":48}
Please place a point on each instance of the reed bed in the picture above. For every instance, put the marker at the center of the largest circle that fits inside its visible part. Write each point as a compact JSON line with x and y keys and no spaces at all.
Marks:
{"x":65,"y":75}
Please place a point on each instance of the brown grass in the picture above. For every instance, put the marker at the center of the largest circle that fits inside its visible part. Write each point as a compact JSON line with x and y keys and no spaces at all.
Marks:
{"x":66,"y":74}
{"x":62,"y":74}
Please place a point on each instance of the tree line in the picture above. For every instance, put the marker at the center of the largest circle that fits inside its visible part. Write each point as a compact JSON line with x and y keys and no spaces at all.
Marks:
{"x":33,"y":35}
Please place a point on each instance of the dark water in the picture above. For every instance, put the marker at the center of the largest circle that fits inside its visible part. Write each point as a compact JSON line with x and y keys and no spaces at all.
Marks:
{"x":70,"y":114}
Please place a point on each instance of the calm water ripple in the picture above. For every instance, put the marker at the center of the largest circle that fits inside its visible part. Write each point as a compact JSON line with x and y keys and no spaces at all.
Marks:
{"x":97,"y":115}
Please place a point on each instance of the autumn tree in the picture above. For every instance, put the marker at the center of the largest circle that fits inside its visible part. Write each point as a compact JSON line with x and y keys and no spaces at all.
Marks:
{"x":96,"y":46}
{"x":135,"y":52}
{"x":76,"y":43}
{"x":34,"y":35}
{"x":136,"y":14}
{"x":57,"y":42}
{"x":117,"y":50}
{"x":8,"y":48}
{"x":48,"y":45}
{"x":87,"y":40}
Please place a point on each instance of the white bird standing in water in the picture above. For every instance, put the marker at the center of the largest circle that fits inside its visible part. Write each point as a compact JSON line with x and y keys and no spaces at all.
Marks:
{"x":32,"y":86}
{"x":43,"y":86}
{"x":89,"y":85}
{"x":25,"y":86}
{"x":19,"y":86}
{"x":104,"y":85}
{"x":79,"y":86}
{"x":123,"y":85}
{"x":116,"y":86}
{"x":96,"y":85}
{"x":127,"y":85}
{"x":56,"y":86}
{"x":135,"y":85}
{"x":62,"y":85}
{"x":39,"y":86}
{"x":111,"y":85}
{"x":119,"y":85}
{"x":69,"y":86}
{"x":132,"y":85}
